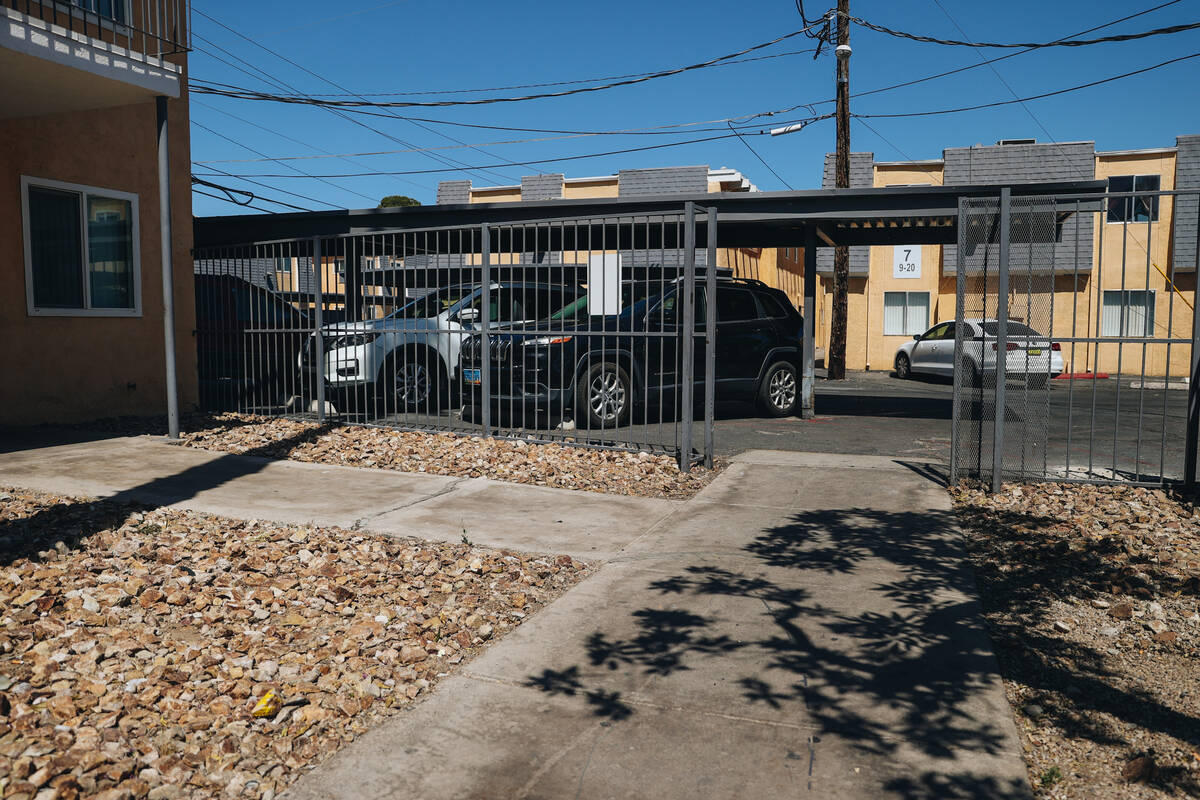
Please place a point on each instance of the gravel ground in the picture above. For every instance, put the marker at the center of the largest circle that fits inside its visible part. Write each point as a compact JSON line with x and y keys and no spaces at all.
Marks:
{"x":1091,"y":597}
{"x":456,"y":455}
{"x":559,"y":466}
{"x":170,"y":654}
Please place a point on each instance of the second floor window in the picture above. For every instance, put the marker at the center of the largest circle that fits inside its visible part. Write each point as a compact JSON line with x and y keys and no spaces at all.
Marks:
{"x":1142,"y":208}
{"x":109,"y":9}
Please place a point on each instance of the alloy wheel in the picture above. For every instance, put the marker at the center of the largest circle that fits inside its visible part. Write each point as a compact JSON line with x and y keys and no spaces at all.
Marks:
{"x":782,"y":389}
{"x":606,"y":396}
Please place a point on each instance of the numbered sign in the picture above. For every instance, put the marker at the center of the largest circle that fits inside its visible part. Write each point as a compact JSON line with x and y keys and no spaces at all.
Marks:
{"x":906,"y":261}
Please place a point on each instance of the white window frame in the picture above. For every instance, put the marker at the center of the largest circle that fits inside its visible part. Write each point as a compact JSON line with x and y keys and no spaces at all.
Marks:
{"x":1153,"y":198}
{"x":1152,"y":305}
{"x":27,"y":182}
{"x":924,"y":326}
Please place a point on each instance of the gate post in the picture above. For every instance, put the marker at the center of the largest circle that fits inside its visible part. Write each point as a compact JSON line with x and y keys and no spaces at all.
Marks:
{"x":485,"y":342}
{"x":1193,"y":413}
{"x":808,"y":376}
{"x":687,"y":348}
{"x":319,"y":336}
{"x":1001,"y":344}
{"x":710,"y":337}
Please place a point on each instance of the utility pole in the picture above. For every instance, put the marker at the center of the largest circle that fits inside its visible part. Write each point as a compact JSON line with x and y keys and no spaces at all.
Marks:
{"x":835,"y":360}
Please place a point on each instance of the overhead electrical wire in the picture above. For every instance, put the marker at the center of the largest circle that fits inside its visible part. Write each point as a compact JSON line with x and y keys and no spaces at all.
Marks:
{"x":762,"y":160}
{"x":227,"y":200}
{"x":289,"y":87}
{"x":1068,"y":42}
{"x":334,"y":84}
{"x":554,"y":83}
{"x":1030,"y":97}
{"x":229,"y":192}
{"x":364,"y":103}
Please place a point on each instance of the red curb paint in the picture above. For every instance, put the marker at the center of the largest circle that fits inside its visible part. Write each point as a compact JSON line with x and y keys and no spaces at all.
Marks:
{"x":1066,"y":376}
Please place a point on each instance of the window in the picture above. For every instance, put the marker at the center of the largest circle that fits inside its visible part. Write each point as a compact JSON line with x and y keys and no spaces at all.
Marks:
{"x":905,"y":313}
{"x":1133,"y":209}
{"x":1128,"y":313}
{"x":669,"y":313}
{"x":81,"y":253}
{"x":938,"y":332}
{"x":771,"y":307}
{"x":114,"y":10}
{"x":734,"y":305}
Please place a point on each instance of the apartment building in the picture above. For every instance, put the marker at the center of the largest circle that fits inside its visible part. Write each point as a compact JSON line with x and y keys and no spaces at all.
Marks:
{"x":1125,"y":272}
{"x":778,"y":267}
{"x":86,"y":89}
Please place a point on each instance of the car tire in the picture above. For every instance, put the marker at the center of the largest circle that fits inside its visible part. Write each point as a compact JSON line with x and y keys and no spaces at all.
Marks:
{"x":779,"y":391}
{"x":903,"y":367}
{"x":603,"y":396}
{"x":417,"y":382}
{"x":969,"y":372}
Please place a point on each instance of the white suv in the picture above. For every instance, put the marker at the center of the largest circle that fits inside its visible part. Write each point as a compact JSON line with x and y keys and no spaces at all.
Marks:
{"x":1029,"y":354}
{"x":411,"y":357}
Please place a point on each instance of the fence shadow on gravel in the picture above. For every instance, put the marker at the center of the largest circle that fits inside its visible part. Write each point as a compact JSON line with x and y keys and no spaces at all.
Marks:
{"x":71,"y":524}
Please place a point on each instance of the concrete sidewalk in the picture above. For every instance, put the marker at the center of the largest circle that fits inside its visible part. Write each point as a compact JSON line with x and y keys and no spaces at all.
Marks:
{"x":806,"y":626}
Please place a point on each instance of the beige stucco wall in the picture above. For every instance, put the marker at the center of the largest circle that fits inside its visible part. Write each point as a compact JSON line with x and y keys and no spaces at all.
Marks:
{"x":67,"y":369}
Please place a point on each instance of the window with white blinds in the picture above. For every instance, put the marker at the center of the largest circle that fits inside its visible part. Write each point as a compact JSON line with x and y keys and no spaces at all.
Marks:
{"x":1127,"y":313}
{"x":905,"y":313}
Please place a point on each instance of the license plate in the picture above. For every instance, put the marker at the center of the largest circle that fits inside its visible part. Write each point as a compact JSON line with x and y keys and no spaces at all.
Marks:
{"x":473,"y":376}
{"x":1037,"y":352}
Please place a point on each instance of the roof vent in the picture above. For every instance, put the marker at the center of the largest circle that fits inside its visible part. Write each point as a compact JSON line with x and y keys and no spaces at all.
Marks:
{"x":1003,"y":142}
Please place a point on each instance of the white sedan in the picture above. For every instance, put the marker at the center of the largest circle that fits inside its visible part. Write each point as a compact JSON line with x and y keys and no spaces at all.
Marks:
{"x":1030,"y":355}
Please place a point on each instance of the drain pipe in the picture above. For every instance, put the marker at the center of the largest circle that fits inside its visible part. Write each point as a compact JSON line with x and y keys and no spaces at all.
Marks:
{"x":168,"y":275}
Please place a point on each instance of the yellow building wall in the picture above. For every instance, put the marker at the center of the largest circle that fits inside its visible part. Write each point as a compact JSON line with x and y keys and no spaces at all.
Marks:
{"x":587,"y":191}
{"x":71,"y":369}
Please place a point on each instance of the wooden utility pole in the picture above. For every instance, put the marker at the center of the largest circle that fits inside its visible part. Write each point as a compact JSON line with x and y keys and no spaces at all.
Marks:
{"x":835,"y":360}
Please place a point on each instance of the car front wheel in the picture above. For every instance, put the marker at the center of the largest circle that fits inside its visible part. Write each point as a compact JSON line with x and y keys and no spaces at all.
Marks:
{"x":903,"y":367}
{"x":603,"y":396}
{"x":779,"y":392}
{"x":417,"y":384}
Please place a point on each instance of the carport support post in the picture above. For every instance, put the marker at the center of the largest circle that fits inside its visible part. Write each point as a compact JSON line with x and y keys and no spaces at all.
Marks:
{"x":485,"y":342}
{"x":808,"y":377}
{"x":710,"y":337}
{"x":1193,"y":412}
{"x":168,"y":273}
{"x":318,"y":323}
{"x":1001,"y":339}
{"x":687,"y":347}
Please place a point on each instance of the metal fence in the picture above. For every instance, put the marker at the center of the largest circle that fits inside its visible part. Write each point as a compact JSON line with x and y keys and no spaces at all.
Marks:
{"x":588,"y":332}
{"x":1075,"y":342}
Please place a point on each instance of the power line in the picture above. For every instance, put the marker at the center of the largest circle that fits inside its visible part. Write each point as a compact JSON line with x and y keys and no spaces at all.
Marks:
{"x":1030,"y":97}
{"x":227,"y":200}
{"x":541,"y":161}
{"x":555,"y":83}
{"x":289,"y":87}
{"x":1120,"y":37}
{"x":230,"y":191}
{"x":364,"y":103}
{"x":297,"y":170}
{"x":760,"y":158}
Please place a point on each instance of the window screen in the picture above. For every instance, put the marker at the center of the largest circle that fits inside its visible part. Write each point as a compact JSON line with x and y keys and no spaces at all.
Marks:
{"x":905,"y":313}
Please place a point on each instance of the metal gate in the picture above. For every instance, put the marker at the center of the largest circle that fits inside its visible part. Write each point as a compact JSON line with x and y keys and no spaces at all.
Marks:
{"x":1075,"y":344}
{"x":589,"y":332}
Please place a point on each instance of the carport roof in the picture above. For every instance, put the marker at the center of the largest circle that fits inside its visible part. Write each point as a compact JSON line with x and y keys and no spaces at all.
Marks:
{"x":884,"y":216}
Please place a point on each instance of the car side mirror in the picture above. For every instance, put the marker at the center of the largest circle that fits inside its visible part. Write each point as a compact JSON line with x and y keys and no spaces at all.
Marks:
{"x":916,"y":337}
{"x":468,"y":315}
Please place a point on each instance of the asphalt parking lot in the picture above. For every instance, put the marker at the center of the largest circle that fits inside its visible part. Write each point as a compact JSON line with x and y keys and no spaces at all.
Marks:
{"x":1079,"y":428}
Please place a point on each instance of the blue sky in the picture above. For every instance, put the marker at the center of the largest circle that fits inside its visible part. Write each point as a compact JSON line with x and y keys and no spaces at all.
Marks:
{"x":372,"y":46}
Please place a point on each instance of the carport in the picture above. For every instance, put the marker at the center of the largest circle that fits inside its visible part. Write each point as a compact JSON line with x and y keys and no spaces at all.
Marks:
{"x":810,"y":220}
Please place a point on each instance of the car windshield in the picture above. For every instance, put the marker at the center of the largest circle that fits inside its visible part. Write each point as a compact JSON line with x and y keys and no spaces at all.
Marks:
{"x":434,"y":303}
{"x":992,"y":328}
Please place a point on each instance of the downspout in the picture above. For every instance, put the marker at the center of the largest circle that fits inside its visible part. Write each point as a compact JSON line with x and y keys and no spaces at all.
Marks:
{"x":168,"y":277}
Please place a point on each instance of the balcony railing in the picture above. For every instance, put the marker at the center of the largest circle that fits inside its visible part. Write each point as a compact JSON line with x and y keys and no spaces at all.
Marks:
{"x":154,"y":28}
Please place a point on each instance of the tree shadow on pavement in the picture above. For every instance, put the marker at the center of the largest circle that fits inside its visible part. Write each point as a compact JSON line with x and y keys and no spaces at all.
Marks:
{"x":894,"y":655}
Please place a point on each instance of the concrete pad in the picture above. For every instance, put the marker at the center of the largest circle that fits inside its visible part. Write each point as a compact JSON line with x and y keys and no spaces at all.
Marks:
{"x":145,"y":469}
